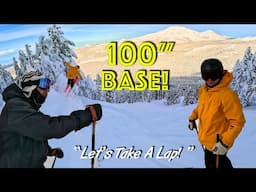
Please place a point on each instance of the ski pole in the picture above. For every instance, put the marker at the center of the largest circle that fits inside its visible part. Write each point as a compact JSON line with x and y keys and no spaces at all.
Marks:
{"x":195,"y":127}
{"x":57,"y":153}
{"x":94,"y":118}
{"x":217,"y":156}
{"x":54,"y":162}
{"x":93,"y":143}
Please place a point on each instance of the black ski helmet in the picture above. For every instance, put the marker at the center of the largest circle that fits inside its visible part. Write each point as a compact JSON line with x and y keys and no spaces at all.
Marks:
{"x":211,"y":65}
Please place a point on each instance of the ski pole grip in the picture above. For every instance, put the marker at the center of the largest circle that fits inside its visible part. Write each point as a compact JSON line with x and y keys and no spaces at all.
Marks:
{"x":192,"y":124}
{"x":218,"y":137}
{"x":93,"y":112}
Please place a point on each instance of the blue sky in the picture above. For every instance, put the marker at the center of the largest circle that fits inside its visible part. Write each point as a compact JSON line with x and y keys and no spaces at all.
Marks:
{"x":13,"y":37}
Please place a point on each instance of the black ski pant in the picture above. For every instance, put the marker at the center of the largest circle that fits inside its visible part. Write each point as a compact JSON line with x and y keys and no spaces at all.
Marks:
{"x":213,"y":161}
{"x":71,"y":82}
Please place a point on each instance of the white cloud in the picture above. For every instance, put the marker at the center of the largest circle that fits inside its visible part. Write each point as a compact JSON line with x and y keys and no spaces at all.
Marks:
{"x":11,"y":32}
{"x":28,"y":30}
{"x":7,"y":51}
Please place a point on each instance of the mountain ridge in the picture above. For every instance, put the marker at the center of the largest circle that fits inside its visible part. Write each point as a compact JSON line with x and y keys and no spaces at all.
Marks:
{"x":190,"y":49}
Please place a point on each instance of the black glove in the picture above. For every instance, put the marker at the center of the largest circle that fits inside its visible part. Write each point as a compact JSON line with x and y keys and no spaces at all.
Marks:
{"x":96,"y":111}
{"x":192,"y":124}
{"x":86,"y":117}
{"x":56,"y":152}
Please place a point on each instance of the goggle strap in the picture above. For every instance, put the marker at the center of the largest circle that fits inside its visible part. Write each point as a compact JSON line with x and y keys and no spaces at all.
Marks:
{"x":29,"y":83}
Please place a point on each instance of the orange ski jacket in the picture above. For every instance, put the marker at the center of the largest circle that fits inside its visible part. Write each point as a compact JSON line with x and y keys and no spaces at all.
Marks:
{"x":219,"y":112}
{"x":72,"y":71}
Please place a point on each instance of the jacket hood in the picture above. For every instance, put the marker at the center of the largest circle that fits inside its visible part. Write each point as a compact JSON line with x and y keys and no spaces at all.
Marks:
{"x":12,"y":91}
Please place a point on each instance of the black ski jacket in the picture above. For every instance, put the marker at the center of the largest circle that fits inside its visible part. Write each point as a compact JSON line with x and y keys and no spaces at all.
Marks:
{"x":24,"y":131}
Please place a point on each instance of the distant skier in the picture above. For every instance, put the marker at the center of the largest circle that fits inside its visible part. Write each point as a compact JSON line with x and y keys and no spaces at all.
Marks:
{"x":73,"y":74}
{"x":220,"y":114}
{"x":25,"y":131}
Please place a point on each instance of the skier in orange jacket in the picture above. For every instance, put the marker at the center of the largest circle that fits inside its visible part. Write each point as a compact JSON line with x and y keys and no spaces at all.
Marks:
{"x":219,"y":112}
{"x":73,"y":74}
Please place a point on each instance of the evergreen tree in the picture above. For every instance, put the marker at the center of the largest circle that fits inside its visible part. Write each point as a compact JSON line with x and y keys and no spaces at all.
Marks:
{"x":50,"y":54}
{"x":17,"y":69}
{"x":24,"y":62}
{"x":5,"y":79}
{"x":191,"y":96}
{"x":98,"y":92}
{"x":61,"y":45}
{"x":244,"y":73}
{"x":172,"y":97}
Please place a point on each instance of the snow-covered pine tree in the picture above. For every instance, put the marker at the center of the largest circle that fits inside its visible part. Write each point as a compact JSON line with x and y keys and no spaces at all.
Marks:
{"x":244,"y":82}
{"x":172,"y":97}
{"x":29,"y":55}
{"x":5,"y":79}
{"x":85,"y":87}
{"x":16,"y":68}
{"x":191,"y":95}
{"x":60,"y":46}
{"x":251,"y":92}
{"x":52,"y":51}
{"x":122,"y":96}
{"x":60,"y":51}
{"x":98,"y":91}
{"x":24,"y":62}
{"x":49,"y":57}
{"x":147,"y":96}
{"x":108,"y":95}
{"x":27,"y":62}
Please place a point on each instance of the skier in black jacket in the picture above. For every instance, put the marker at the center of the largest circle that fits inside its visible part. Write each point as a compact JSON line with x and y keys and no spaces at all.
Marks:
{"x":25,"y":131}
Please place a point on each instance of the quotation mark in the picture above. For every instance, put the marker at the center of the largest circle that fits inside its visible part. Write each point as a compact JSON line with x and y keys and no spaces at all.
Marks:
{"x":191,"y":147}
{"x":166,"y":46}
{"x":78,"y":148}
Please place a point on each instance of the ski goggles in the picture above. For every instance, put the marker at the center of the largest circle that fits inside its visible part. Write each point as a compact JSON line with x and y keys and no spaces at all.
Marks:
{"x":213,"y":75}
{"x":44,"y":83}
